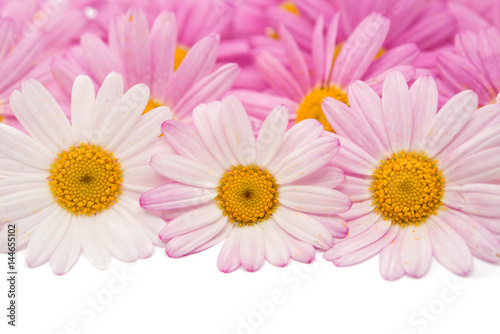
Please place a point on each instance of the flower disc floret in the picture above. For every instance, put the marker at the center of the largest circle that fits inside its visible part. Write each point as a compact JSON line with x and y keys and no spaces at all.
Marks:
{"x":247,"y":195}
{"x":85,"y":179}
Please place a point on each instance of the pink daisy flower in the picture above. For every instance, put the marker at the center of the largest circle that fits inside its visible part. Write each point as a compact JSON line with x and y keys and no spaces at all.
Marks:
{"x":427,"y":24}
{"x":422,"y":183}
{"x":75,"y":187}
{"x":474,"y":65}
{"x":270,"y":198}
{"x":306,"y":81}
{"x":178,"y":78}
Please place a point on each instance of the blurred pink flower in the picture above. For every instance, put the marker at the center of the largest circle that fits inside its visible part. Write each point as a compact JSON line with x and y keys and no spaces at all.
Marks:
{"x":179,"y":77}
{"x":333,"y":66}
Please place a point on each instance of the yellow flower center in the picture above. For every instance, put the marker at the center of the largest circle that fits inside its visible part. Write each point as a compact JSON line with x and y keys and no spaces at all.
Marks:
{"x":247,"y":195}
{"x":180,"y":53}
{"x":85,"y":179}
{"x":311,"y":105}
{"x":407,"y":188}
{"x":152,"y":103}
{"x":289,"y":6}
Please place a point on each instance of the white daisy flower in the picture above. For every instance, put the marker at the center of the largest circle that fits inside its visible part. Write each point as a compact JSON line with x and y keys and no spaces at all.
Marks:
{"x":73,"y":187}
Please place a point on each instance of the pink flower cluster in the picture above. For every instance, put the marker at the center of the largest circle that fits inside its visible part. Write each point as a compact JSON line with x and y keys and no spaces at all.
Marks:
{"x":280,"y":128}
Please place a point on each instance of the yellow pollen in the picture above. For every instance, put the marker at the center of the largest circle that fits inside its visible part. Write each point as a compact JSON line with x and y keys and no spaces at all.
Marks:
{"x":180,"y":53}
{"x":311,"y":105}
{"x":247,"y":195}
{"x":407,"y":188}
{"x":151,"y":105}
{"x":85,"y":179}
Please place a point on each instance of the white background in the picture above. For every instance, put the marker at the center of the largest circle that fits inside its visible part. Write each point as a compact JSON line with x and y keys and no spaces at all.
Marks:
{"x":189,"y":295}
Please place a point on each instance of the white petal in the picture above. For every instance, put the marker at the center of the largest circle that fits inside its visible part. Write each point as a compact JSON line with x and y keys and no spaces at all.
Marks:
{"x":252,"y":247}
{"x":271,"y":135}
{"x":312,"y":199}
{"x":238,"y":130}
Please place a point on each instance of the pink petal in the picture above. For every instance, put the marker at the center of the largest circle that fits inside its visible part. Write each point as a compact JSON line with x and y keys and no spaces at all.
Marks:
{"x":252,"y":247}
{"x":175,"y":195}
{"x":303,"y":227}
{"x":311,"y":199}
{"x":416,"y":251}
{"x":276,"y":249}
{"x":271,"y":135}
{"x":191,"y":221}
{"x":478,"y":199}
{"x":448,"y":247}
{"x":389,"y":261}
{"x":229,"y":257}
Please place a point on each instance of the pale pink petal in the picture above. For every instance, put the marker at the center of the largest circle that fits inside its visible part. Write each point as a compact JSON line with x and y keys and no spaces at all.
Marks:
{"x":252,"y":247}
{"x":318,"y":52}
{"x":175,"y":195}
{"x":364,"y":100}
{"x":92,"y":245}
{"x":360,"y":49}
{"x":191,"y":221}
{"x":82,"y":101}
{"x":209,"y":88}
{"x":345,"y":246}
{"x":448,"y":247}
{"x":303,"y":227}
{"x":238,"y":130}
{"x":18,"y":146}
{"x":188,"y":143}
{"x":143,"y":134}
{"x":229,"y":257}
{"x":390,"y":266}
{"x":22,"y":196}
{"x":186,"y":243}
{"x":300,"y":134}
{"x":41,"y":116}
{"x":424,"y":100}
{"x":277,"y":252}
{"x":68,"y":251}
{"x":197,"y":64}
{"x":346,"y":123}
{"x":478,"y":199}
{"x":368,"y":251}
{"x":357,"y":189}
{"x":207,"y":119}
{"x":398,"y":114}
{"x":296,"y":59}
{"x":139,"y":234}
{"x":448,"y":122}
{"x":401,"y":55}
{"x":222,"y":235}
{"x":163,"y":44}
{"x":352,"y":158}
{"x":333,"y":223}
{"x":416,"y":250}
{"x":481,"y":242}
{"x":99,"y":59}
{"x":482,"y":167}
{"x":311,"y":199}
{"x":47,"y":237}
{"x":185,"y":170}
{"x":328,"y":176}
{"x":305,"y":160}
{"x":357,"y":210}
{"x":276,"y":74}
{"x":271,"y":135}
{"x":116,"y":237}
{"x":489,"y":51}
{"x":331,"y":43}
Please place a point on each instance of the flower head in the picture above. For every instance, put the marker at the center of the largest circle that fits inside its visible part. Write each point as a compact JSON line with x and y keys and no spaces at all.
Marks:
{"x":179,"y":77}
{"x":474,"y":65}
{"x":75,"y":187}
{"x":271,"y":197}
{"x":306,"y":81}
{"x":423,"y":184}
